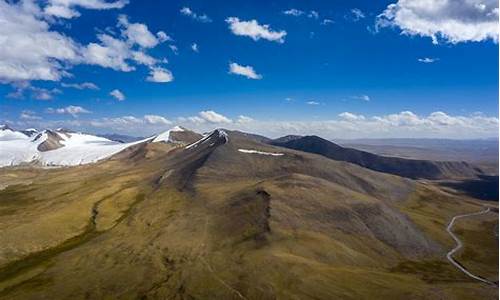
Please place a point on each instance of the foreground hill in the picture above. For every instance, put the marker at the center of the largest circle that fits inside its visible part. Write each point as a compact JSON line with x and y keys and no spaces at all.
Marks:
{"x":410,"y":168}
{"x":230,"y":217}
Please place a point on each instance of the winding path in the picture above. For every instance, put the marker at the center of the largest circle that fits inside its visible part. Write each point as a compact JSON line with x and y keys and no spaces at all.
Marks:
{"x":459,"y":245}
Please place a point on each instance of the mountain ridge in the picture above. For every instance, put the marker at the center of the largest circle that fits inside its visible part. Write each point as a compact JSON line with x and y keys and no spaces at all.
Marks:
{"x":411,"y":168}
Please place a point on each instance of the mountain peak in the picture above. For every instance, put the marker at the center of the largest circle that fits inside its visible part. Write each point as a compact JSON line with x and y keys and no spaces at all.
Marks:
{"x":5,"y":127}
{"x":177,"y":135}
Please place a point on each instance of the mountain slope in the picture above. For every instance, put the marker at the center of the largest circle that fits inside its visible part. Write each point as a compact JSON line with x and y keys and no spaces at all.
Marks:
{"x":409,"y":168}
{"x":209,"y":221}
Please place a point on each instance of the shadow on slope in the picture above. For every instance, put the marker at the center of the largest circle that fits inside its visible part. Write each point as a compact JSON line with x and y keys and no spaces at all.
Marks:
{"x":484,"y":188}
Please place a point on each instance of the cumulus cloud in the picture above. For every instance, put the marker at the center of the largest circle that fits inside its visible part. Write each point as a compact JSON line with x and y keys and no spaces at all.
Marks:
{"x":346,"y":125}
{"x":138,"y":33}
{"x":198,"y":17}
{"x":254,"y":30}
{"x":118,"y":54}
{"x":72,"y":110}
{"x":347,"y":116}
{"x":427,"y":60}
{"x":246,"y":71}
{"x":117,"y":95}
{"x":452,"y":21}
{"x":29,"y":49}
{"x":81,"y":86}
{"x":110,"y":53}
{"x":213,"y":117}
{"x":156,"y":120}
{"x":158,"y":74}
{"x":67,"y":8}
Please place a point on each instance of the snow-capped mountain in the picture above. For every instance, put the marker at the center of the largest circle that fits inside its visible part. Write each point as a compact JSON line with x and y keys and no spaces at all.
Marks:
{"x":54,"y":148}
{"x":62,"y":147}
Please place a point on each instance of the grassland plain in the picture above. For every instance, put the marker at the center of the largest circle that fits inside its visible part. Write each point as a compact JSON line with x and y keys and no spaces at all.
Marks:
{"x":163,"y":222}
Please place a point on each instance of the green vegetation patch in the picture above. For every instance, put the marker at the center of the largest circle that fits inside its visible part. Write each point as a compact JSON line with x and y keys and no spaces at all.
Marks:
{"x":431,"y":271}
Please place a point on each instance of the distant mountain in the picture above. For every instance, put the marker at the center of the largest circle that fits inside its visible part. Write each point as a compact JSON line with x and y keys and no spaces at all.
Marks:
{"x":121,"y":138}
{"x":482,"y":152}
{"x":62,"y":147}
{"x":410,"y":168}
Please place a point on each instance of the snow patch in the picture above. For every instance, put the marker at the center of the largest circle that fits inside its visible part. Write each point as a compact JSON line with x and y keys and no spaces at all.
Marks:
{"x":250,"y":151}
{"x":165,"y":136}
{"x":8,"y":134}
{"x":78,"y":149}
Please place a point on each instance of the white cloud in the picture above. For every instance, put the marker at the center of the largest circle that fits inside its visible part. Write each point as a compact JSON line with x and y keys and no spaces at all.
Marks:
{"x":254,"y":30}
{"x":117,"y":95}
{"x":174,"y":49}
{"x":293,"y":12}
{"x":138,"y":33}
{"x":244,"y":119}
{"x":66,"y":8}
{"x":246,"y":71}
{"x":72,"y":110}
{"x":313,"y":14}
{"x":356,"y":14}
{"x":31,"y":50}
{"x":29,"y":115}
{"x":156,"y":120}
{"x":158,"y":74}
{"x":123,"y":124}
{"x":347,"y":116}
{"x":194,"y":47}
{"x":213,"y":117}
{"x":312,"y":102}
{"x":427,"y":60}
{"x":163,"y":37}
{"x":43,"y":94}
{"x":327,"y":22}
{"x":347,"y":125}
{"x":81,"y":86}
{"x":143,"y":58}
{"x":28,"y":49}
{"x":453,"y":21}
{"x":111,"y":53}
{"x":35,"y":92}
{"x":362,"y":97}
{"x":190,"y":13}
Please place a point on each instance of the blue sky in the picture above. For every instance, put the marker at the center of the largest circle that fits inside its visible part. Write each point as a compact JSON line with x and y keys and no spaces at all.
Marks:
{"x":341,"y":66}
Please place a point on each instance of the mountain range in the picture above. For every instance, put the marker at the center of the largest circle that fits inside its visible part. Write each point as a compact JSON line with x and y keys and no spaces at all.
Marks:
{"x":232,"y":215}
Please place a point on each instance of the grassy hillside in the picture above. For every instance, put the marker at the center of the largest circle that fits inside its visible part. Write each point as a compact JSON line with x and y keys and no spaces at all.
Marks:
{"x":160,"y":221}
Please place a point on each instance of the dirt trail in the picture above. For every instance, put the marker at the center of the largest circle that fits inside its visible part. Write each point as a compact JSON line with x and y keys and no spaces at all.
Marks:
{"x":459,"y":246}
